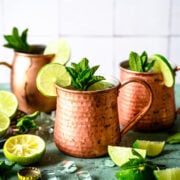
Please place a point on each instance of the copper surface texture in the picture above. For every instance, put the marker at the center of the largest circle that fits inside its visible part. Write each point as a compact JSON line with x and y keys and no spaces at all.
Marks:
{"x":133,"y":97}
{"x":86,"y":122}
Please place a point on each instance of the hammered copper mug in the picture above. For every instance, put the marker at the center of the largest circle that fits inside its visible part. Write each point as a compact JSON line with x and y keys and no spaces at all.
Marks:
{"x":87,"y":121}
{"x":24,"y":70}
{"x":134,"y":97}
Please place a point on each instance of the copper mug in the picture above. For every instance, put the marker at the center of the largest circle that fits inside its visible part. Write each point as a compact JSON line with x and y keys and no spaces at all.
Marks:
{"x":24,"y":70}
{"x":87,"y":121}
{"x":132,"y":99}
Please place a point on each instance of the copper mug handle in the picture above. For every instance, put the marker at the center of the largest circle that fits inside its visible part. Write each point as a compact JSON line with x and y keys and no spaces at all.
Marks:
{"x":144,"y":110}
{"x":6,"y":64}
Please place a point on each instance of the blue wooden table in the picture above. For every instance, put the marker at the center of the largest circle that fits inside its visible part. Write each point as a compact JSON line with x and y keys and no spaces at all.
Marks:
{"x":97,"y":167}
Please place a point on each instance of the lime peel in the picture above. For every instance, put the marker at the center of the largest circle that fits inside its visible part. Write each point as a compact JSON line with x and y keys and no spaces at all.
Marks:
{"x":8,"y":103}
{"x":61,"y":49}
{"x":120,"y":155}
{"x":153,"y":148}
{"x":24,"y":149}
{"x":50,"y":75}
{"x":162,"y":65}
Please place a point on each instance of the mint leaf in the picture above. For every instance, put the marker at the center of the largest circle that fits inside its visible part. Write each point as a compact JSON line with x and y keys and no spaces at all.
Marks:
{"x":83,"y":75}
{"x":135,"y":62}
{"x":140,"y":63}
{"x":26,"y":122}
{"x":16,"y":41}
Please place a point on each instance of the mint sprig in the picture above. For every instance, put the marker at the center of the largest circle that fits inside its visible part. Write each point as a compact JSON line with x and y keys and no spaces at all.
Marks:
{"x":17,"y":41}
{"x":27,"y":123}
{"x":140,"y":63}
{"x":83,"y":75}
{"x":142,"y":166}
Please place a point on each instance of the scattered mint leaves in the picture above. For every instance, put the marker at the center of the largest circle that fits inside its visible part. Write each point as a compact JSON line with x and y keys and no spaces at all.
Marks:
{"x":82,"y":75}
{"x":140,"y":63}
{"x":5,"y":169}
{"x":17,"y":41}
{"x":26,"y":122}
{"x":138,"y":166}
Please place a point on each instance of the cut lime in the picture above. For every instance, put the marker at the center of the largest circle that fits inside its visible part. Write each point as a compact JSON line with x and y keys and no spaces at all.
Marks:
{"x":8,"y":103}
{"x":61,"y":49}
{"x":162,"y":65}
{"x":50,"y":75}
{"x":154,"y":148}
{"x":174,"y":139}
{"x":4,"y":124}
{"x":167,"y":174}
{"x":101,"y":85}
{"x":121,"y":155}
{"x":24,"y":149}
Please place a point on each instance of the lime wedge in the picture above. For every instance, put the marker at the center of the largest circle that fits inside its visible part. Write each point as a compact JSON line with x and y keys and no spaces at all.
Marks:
{"x":101,"y":85}
{"x":120,"y":155}
{"x":167,"y":174}
{"x":153,"y":148}
{"x":162,"y":65}
{"x":61,"y":49}
{"x":24,"y":149}
{"x":50,"y":75}
{"x":174,"y":139}
{"x":5,"y":123}
{"x":8,"y":103}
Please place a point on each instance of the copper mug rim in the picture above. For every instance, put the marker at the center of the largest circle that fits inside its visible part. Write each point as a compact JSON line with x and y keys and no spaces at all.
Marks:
{"x":125,"y":65}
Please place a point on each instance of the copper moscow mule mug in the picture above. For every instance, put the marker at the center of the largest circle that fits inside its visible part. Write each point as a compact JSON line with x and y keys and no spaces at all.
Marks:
{"x":24,"y":70}
{"x":134,"y":97}
{"x":87,"y":121}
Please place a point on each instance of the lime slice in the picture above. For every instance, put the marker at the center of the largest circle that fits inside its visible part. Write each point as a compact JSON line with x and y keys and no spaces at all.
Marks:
{"x":61,"y":49}
{"x":101,"y":85}
{"x":5,"y":123}
{"x":24,"y":149}
{"x":167,"y":174}
{"x":154,"y":148}
{"x":174,"y":139}
{"x":50,"y":75}
{"x":8,"y":103}
{"x":121,"y":155}
{"x":162,"y":65}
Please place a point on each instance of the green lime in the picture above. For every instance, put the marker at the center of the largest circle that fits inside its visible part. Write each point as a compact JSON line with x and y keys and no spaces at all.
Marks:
{"x":167,"y":174}
{"x":50,"y":75}
{"x":8,"y":103}
{"x":174,"y":139}
{"x":162,"y":65}
{"x":121,"y":155}
{"x":5,"y":123}
{"x":153,"y":148}
{"x":61,"y":49}
{"x":24,"y":149}
{"x":101,"y":85}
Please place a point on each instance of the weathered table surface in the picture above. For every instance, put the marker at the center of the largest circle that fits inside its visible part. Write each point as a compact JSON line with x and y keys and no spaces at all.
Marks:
{"x":96,"y":166}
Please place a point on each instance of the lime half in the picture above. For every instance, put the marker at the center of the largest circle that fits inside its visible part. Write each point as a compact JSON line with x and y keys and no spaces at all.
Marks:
{"x":61,"y":49}
{"x":8,"y":103}
{"x":101,"y":85}
{"x":24,"y":149}
{"x":4,"y":125}
{"x":121,"y":155}
{"x":162,"y":65}
{"x":167,"y":174}
{"x":154,"y":148}
{"x":50,"y":75}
